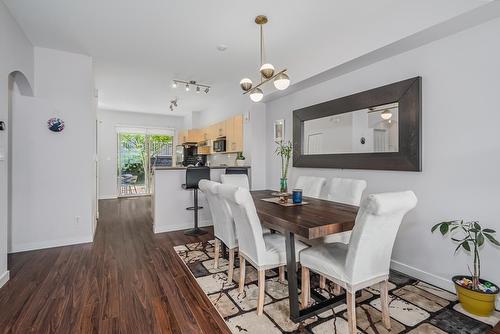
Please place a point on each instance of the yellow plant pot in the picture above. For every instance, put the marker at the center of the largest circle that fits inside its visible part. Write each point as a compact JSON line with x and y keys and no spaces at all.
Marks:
{"x":475,"y":302}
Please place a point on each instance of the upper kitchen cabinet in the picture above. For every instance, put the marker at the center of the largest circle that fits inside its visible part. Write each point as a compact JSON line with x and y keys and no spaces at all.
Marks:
{"x":221,"y":129}
{"x":194,"y":135}
{"x":182,"y":137}
{"x":234,"y":134}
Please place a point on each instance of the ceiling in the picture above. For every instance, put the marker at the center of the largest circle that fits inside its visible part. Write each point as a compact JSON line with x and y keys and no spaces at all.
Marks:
{"x":139,"y":47}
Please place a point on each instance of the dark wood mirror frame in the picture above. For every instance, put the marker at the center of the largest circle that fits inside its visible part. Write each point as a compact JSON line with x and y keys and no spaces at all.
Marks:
{"x":407,"y":93}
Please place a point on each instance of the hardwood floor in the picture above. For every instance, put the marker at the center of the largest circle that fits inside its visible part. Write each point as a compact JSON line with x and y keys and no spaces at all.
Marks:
{"x":128,"y":281}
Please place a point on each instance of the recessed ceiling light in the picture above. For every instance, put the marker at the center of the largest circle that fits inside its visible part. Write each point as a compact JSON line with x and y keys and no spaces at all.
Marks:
{"x":222,"y":47}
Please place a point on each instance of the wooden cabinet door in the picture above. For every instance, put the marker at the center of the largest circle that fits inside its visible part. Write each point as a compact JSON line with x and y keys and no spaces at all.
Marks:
{"x":230,"y":147}
{"x":204,"y":134}
{"x":238,"y":133}
{"x":234,"y":134}
{"x":221,"y":129}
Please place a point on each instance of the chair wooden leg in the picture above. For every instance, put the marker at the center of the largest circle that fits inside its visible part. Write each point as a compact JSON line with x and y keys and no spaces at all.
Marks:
{"x":351,"y":311}
{"x":336,"y":289}
{"x":262,"y":288}
{"x":384,"y":301}
{"x":322,"y":282}
{"x":242,"y":274}
{"x":282,"y":274}
{"x":305,"y":287}
{"x":216,"y":253}
{"x":231,"y":266}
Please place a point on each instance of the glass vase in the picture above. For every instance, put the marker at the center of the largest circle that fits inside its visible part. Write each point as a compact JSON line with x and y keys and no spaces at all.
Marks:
{"x":284,"y":185}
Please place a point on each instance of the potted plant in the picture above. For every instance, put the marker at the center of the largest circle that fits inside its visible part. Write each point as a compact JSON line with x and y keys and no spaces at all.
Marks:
{"x":240,"y":159}
{"x":284,"y":150}
{"x":476,"y":295}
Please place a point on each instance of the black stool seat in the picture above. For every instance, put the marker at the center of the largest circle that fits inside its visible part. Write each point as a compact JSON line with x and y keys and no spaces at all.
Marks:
{"x":193,"y":176}
{"x":236,"y":170}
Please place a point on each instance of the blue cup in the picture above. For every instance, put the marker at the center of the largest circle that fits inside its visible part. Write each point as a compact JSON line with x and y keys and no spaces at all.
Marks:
{"x":297,"y":196}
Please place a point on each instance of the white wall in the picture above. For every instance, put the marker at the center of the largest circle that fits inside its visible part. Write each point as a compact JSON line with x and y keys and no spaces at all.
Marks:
{"x":53,"y":174}
{"x":461,"y":151}
{"x":107,"y":142}
{"x":16,"y":54}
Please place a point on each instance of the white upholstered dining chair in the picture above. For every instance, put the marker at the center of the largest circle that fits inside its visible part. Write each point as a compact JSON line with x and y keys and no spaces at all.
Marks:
{"x":346,"y":191}
{"x":311,"y":185}
{"x":239,"y":180}
{"x":224,"y":230}
{"x":365,"y":260}
{"x":262,"y":251}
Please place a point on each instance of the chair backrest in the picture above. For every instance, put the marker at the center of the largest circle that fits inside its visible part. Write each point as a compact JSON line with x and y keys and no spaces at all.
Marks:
{"x":195,"y":174}
{"x":374,"y":234}
{"x":310,"y":185}
{"x":247,"y":222}
{"x":237,"y":170}
{"x":239,"y":180}
{"x":347,"y":191}
{"x":221,"y":213}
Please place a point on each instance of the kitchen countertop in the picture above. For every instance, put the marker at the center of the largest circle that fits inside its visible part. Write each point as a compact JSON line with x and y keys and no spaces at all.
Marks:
{"x":182,"y":168}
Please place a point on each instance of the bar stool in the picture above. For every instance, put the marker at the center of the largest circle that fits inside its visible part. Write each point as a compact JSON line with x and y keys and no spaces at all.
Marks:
{"x":237,"y":170}
{"x":193,"y":176}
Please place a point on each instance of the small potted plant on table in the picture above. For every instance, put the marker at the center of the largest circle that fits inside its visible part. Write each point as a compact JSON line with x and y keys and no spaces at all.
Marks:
{"x":240,"y":159}
{"x":476,"y":295}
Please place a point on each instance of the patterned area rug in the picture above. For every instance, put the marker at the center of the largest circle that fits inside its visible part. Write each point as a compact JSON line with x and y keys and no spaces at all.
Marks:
{"x":415,"y":306}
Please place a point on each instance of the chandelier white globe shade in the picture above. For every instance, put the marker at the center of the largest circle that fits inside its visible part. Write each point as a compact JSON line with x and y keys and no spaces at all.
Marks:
{"x":256,"y":95}
{"x":282,"y":81}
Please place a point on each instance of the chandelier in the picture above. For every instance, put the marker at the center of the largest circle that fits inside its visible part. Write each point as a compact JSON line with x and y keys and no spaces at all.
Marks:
{"x":267,"y":72}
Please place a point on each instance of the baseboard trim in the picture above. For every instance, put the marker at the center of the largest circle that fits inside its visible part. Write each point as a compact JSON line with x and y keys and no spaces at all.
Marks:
{"x":427,"y":277}
{"x":108,"y":197}
{"x":180,"y":227}
{"x":50,"y":244}
{"x":4,"y":278}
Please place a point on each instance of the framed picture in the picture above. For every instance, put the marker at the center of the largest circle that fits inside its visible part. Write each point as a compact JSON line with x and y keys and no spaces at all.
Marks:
{"x":279,"y":130}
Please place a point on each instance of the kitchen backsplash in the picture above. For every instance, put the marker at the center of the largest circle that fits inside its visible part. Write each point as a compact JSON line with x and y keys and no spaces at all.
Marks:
{"x":228,"y":159}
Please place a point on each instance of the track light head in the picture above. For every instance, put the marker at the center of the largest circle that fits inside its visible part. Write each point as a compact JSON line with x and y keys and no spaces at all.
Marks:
{"x":197,"y":89}
{"x":187,"y":88}
{"x":174,"y":84}
{"x":207,"y":90}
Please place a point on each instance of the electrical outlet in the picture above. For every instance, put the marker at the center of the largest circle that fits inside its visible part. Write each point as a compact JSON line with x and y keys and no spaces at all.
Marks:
{"x":77,"y":219}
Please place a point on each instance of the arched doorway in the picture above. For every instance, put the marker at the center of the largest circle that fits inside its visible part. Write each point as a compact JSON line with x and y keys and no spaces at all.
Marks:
{"x":17,"y":84}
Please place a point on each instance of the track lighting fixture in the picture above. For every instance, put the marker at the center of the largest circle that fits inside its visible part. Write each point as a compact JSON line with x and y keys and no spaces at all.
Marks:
{"x":173,"y":103}
{"x":190,"y":83}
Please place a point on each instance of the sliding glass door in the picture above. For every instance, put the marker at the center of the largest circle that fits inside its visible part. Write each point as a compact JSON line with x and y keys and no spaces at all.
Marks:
{"x":140,"y":150}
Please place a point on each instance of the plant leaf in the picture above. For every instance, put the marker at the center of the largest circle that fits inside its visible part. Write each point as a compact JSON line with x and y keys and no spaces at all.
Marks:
{"x":474,"y":230}
{"x":454,"y":228}
{"x":489,"y":230}
{"x":477,"y":226}
{"x":492,"y":239}
{"x":480,"y":240}
{"x":466,"y":246}
{"x":435,"y":227}
{"x":444,"y":228}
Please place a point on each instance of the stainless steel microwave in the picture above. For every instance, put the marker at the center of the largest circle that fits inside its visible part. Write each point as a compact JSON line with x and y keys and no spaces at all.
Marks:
{"x":219,"y":145}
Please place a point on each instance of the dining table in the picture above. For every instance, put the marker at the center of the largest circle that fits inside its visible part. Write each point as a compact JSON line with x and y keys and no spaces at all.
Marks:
{"x":313,"y":220}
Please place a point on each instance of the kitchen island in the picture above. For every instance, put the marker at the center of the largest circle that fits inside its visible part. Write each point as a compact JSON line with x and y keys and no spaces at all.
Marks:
{"x":170,"y":200}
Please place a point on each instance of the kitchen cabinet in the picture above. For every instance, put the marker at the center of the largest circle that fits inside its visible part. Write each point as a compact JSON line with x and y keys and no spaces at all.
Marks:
{"x":234,"y":134}
{"x":182,"y":137}
{"x":194,"y":135}
{"x":220,"y":129}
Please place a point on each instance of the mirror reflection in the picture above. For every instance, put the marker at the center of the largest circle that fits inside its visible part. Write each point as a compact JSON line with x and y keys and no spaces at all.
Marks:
{"x":371,"y":130}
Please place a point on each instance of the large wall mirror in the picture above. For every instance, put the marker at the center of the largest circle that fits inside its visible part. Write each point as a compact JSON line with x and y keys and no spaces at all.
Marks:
{"x":376,"y":129}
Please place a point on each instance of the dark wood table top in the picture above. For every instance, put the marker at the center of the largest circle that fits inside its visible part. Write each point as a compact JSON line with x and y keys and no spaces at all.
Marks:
{"x":317,"y":219}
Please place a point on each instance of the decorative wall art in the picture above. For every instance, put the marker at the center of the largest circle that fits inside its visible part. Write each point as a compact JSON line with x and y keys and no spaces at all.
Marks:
{"x":279,"y":130}
{"x":55,"y":124}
